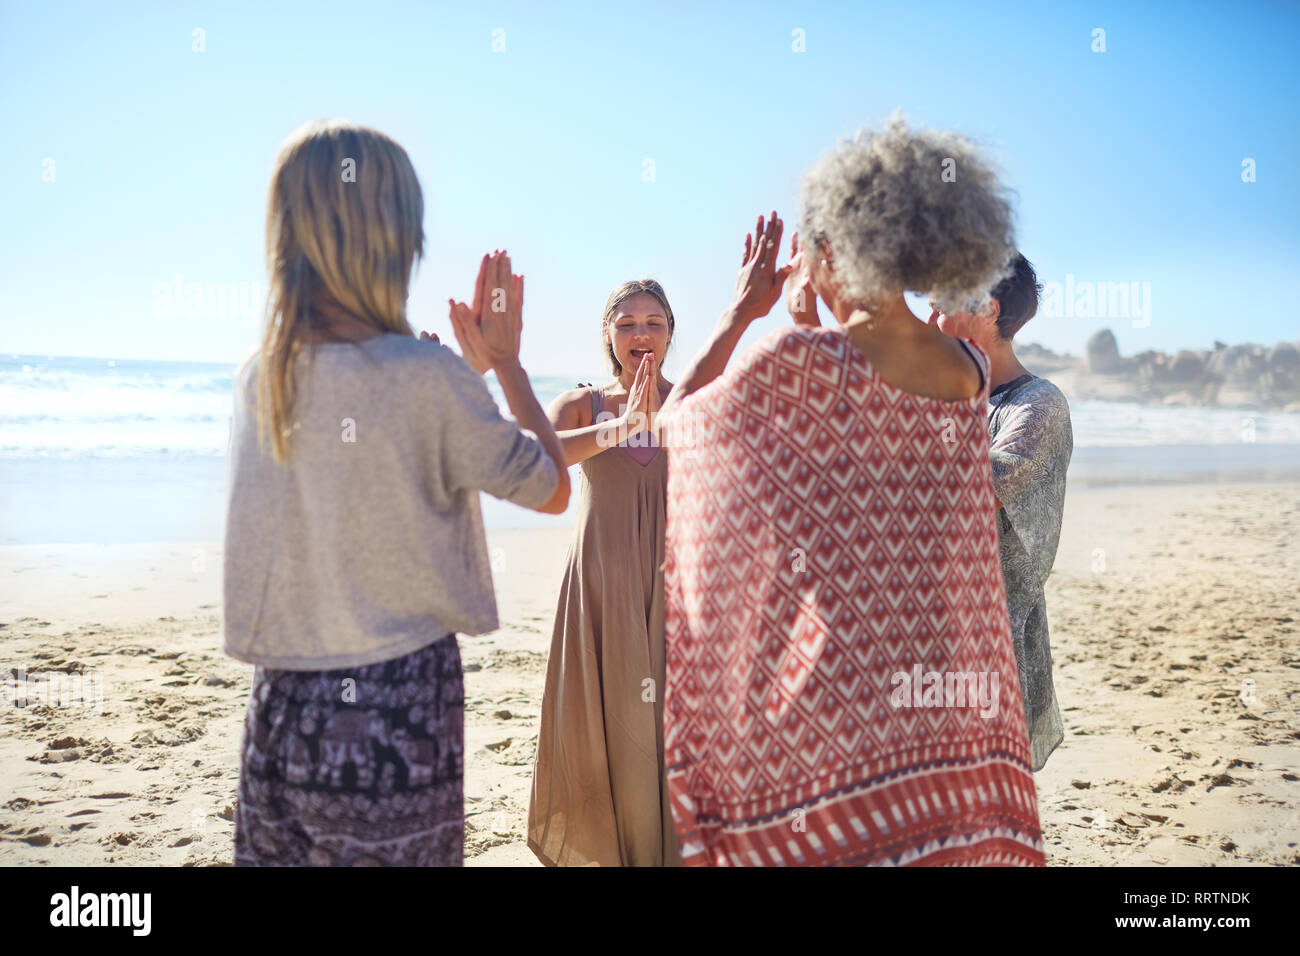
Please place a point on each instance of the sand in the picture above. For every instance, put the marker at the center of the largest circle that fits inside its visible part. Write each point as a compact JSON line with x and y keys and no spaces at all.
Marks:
{"x":1165,"y":603}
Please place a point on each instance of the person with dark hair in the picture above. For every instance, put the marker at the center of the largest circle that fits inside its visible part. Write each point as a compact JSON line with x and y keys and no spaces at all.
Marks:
{"x":1029,"y":426}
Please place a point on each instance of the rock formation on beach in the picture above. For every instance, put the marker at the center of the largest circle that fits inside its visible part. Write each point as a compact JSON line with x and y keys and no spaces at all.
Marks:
{"x":1228,"y":376}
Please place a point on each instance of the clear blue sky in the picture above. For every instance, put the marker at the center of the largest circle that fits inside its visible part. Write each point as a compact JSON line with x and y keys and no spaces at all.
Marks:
{"x":1127,"y":163}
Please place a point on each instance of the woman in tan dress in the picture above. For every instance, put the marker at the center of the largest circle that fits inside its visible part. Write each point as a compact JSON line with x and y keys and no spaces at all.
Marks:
{"x":599,"y":797}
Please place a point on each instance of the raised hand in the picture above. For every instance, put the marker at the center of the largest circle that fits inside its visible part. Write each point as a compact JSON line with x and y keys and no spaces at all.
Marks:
{"x":489,"y":332}
{"x":465,"y":323}
{"x":501,"y":320}
{"x":759,"y":283}
{"x":800,"y":298}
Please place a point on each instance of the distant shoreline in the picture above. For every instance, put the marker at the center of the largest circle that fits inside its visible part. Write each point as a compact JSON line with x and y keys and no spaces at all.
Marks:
{"x":1245,"y":377}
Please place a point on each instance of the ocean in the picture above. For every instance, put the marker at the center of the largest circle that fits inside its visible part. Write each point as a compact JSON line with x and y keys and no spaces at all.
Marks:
{"x":110,"y":451}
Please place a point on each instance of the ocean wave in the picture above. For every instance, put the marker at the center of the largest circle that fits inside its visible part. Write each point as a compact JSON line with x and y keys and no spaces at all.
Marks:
{"x":65,"y":408}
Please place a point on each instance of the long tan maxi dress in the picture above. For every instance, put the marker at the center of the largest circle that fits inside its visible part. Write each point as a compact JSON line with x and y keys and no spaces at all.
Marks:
{"x":599,"y":792}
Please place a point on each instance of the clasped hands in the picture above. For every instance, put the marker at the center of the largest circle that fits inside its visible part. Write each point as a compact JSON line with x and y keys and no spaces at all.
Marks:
{"x":489,"y":330}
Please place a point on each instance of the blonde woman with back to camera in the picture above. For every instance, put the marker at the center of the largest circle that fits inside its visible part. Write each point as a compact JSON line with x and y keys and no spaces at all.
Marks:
{"x":354,"y":544}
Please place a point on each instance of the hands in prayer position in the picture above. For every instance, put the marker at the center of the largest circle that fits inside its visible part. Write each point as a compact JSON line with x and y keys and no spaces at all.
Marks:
{"x":643,"y":397}
{"x":489,"y":333}
{"x":489,"y":330}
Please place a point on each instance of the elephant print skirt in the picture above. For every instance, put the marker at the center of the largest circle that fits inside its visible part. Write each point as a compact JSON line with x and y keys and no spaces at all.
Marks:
{"x":355,"y":767}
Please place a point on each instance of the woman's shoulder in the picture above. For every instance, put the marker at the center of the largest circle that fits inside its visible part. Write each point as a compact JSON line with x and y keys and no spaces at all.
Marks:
{"x":406,"y":349}
{"x":246,"y":371}
{"x":390,"y":348}
{"x":575,"y":405}
{"x":412,"y":371}
{"x":926,"y":365}
{"x":418,"y":359}
{"x":971,"y":371}
{"x":935,"y":367}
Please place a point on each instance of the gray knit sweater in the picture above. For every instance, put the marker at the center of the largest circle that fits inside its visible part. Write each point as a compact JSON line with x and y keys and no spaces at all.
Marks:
{"x":368,"y":543}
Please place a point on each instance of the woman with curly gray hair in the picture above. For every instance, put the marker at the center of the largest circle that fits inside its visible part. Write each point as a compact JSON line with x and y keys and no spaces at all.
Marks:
{"x":841,"y":681}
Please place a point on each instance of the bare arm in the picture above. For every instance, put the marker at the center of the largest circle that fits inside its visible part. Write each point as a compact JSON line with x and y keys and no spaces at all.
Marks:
{"x":528,"y":414}
{"x":490,"y":339}
{"x":758,"y":286}
{"x":583,"y":439}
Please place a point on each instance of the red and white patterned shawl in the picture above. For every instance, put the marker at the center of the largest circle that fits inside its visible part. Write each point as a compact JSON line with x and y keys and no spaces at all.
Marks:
{"x":828,"y":532}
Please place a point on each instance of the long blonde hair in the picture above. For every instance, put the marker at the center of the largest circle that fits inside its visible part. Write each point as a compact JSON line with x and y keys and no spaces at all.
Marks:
{"x":344,"y":222}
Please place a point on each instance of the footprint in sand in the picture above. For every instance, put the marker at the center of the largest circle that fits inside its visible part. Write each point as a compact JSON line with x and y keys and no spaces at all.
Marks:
{"x":64,"y":749}
{"x":1223,"y":780}
{"x":512,"y":752}
{"x":166,"y":736}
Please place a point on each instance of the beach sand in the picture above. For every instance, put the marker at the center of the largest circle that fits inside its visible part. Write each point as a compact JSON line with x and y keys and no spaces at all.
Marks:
{"x":1165,"y":603}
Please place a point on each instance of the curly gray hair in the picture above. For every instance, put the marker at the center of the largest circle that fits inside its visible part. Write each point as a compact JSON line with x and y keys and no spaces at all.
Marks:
{"x":916,"y":211}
